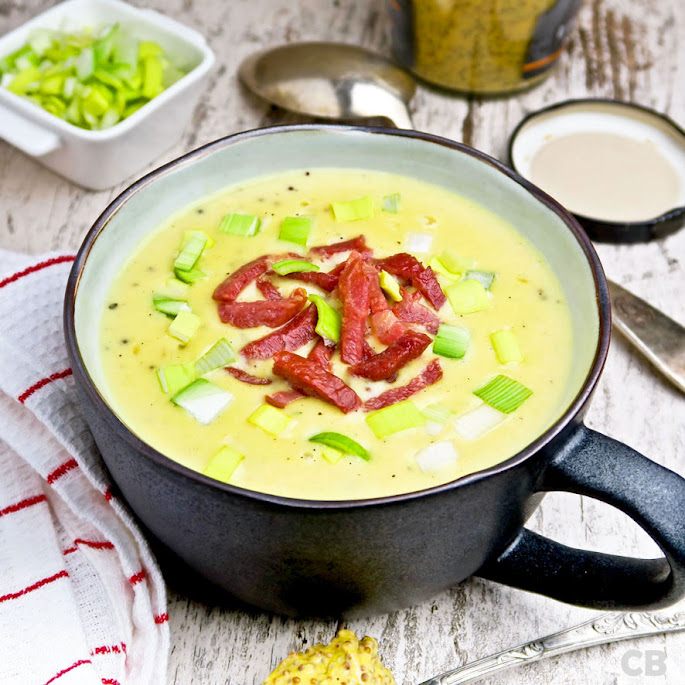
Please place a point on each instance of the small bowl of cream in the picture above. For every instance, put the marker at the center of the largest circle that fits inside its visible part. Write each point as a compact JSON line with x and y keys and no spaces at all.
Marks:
{"x":618,"y":167}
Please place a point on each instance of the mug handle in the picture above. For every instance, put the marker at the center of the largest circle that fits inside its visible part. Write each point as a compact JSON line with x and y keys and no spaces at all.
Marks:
{"x":595,"y":465}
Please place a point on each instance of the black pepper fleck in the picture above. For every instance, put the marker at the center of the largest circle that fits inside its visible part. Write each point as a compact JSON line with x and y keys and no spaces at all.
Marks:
{"x":113,"y":305}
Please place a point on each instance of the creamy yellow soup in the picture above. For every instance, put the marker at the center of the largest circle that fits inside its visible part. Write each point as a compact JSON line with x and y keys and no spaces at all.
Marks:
{"x":524,"y":298}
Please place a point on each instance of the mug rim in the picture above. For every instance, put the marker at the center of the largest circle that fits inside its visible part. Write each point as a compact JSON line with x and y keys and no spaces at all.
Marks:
{"x":103,"y":408}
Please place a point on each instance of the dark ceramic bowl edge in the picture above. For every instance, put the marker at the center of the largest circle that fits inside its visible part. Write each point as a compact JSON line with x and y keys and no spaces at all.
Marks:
{"x":574,"y":408}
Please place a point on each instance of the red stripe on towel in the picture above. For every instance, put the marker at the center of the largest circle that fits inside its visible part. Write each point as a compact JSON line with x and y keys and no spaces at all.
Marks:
{"x":110,"y":681}
{"x":108,"y":649}
{"x":42,"y":383}
{"x":137,"y":578}
{"x":66,"y":670}
{"x":108,"y":495}
{"x":36,"y":267}
{"x":61,"y":470}
{"x":35,"y":586}
{"x":94,"y":544}
{"x":24,"y":504}
{"x":162,"y":618}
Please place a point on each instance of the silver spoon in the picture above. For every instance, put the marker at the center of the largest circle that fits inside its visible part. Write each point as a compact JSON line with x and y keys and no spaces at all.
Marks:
{"x":609,"y":627}
{"x":341,"y":81}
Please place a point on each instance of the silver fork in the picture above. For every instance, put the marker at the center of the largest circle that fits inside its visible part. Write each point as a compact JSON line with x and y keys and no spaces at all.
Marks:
{"x":609,"y":627}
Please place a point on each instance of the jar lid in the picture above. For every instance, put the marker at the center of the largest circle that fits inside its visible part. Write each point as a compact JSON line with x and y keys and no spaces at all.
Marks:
{"x":618,"y":167}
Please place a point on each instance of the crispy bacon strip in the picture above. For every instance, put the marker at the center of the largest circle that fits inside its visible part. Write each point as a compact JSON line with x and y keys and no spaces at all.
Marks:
{"x":283,"y":398}
{"x":271,"y":313}
{"x":246,"y":377}
{"x":421,"y":277}
{"x":382,"y":365}
{"x":384,"y":323}
{"x":321,"y":353}
{"x":268,"y":289}
{"x":312,"y":379}
{"x":357,"y":244}
{"x":233,"y":285}
{"x":298,"y":331}
{"x":431,"y":374}
{"x":326,"y":280}
{"x":354,"y":293}
{"x":410,"y":310}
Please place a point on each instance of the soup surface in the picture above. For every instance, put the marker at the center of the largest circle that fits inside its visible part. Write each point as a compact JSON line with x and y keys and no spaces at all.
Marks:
{"x":518,"y":327}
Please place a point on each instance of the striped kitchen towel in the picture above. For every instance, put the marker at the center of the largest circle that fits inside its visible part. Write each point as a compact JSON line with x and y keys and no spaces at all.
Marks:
{"x":82,"y":600}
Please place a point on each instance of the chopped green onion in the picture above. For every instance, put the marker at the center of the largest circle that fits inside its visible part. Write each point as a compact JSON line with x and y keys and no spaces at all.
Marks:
{"x":169,"y":306}
{"x":504,"y":394}
{"x":397,"y":417}
{"x":184,"y":326}
{"x":190,"y":276}
{"x":506,"y":346}
{"x":223,"y":464}
{"x":175,"y":377}
{"x":353,"y":210}
{"x":269,"y":419}
{"x":240,"y":224}
{"x":391,"y":203}
{"x":391,"y":285}
{"x":191,"y":252}
{"x":453,"y":262}
{"x":441,"y":269}
{"x":220,"y":354}
{"x":451,"y":341}
{"x":342,"y":443}
{"x":484,"y":277}
{"x":467,"y":297}
{"x":331,"y":455}
{"x":438,"y":413}
{"x":295,"y":229}
{"x":289,"y":266}
{"x":203,"y":400}
{"x":329,"y":321}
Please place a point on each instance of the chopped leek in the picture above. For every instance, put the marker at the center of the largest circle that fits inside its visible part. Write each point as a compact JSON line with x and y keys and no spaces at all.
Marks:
{"x":419,"y":242}
{"x":191,"y":252}
{"x":269,"y":419}
{"x":391,"y":203}
{"x":484,"y":277}
{"x":342,"y":443}
{"x":453,"y":262}
{"x":190,"y":276}
{"x":438,"y":413}
{"x":353,"y":210}
{"x":329,"y":321}
{"x":477,"y":422}
{"x":467,"y":297}
{"x":240,"y":224}
{"x":289,"y":266}
{"x":175,"y":377}
{"x":451,"y":341}
{"x":188,"y":236}
{"x":436,"y":456}
{"x":223,"y":464}
{"x":441,"y":269}
{"x":169,"y":306}
{"x":391,"y":286}
{"x":332,"y":456}
{"x":506,"y":346}
{"x":152,"y":77}
{"x":218,"y":355}
{"x":203,"y":400}
{"x":504,"y":394}
{"x":173,"y":288}
{"x":295,"y":229}
{"x":397,"y":417}
{"x":184,"y":326}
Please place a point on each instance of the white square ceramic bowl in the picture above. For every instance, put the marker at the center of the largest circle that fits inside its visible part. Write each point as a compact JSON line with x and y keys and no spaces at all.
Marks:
{"x":100,"y":159}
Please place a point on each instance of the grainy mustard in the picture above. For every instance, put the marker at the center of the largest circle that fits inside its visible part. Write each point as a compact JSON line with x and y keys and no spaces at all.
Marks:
{"x":481,"y":46}
{"x":346,"y":660}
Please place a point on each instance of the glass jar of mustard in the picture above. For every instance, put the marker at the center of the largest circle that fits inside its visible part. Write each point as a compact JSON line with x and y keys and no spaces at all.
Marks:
{"x":488,"y":47}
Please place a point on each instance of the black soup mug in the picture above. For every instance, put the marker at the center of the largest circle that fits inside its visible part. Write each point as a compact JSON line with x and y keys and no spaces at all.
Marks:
{"x":302,"y":557}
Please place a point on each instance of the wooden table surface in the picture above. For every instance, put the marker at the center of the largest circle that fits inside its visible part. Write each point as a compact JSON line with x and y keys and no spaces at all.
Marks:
{"x":627,"y":50}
